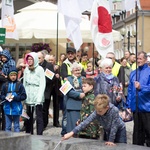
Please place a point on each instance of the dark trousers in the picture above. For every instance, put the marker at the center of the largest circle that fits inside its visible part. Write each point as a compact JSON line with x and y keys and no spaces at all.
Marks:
{"x":141,"y":130}
{"x":64,"y":119}
{"x":2,"y":118}
{"x":39,"y":119}
{"x":46,"y":105}
{"x":56,"y":107}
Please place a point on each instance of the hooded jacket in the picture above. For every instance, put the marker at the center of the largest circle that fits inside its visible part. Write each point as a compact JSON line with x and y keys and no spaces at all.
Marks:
{"x":34,"y":82}
{"x":143,"y":76}
{"x":9,"y":63}
{"x":18,"y":91}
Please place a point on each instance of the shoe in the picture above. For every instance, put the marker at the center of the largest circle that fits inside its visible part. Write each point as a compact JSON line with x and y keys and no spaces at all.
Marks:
{"x":57,"y":125}
{"x":23,"y":129}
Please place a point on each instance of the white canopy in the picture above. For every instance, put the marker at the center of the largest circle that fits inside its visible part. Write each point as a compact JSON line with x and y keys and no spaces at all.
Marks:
{"x":39,"y":23}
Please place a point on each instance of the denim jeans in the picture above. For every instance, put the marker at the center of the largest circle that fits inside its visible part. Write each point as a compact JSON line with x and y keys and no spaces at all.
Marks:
{"x":9,"y":119}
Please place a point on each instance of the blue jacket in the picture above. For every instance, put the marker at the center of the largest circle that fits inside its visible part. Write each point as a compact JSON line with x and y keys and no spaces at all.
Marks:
{"x":17,"y":89}
{"x":143,"y":76}
{"x":9,"y":63}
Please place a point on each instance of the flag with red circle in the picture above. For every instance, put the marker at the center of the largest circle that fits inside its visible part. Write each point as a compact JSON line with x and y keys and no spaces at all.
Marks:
{"x":101,"y":27}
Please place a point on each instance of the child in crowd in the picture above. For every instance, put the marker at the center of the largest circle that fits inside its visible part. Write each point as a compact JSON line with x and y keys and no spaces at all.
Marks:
{"x":92,"y":130}
{"x":89,"y":71}
{"x":108,"y":116}
{"x":12,"y":94}
{"x":8,"y":62}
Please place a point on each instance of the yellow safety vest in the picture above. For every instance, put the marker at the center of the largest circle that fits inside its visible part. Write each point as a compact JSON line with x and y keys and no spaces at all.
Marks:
{"x":115,"y":69}
{"x":133,"y":66}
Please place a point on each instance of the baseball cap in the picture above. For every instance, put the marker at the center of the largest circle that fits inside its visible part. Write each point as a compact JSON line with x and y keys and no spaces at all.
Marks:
{"x":71,"y":49}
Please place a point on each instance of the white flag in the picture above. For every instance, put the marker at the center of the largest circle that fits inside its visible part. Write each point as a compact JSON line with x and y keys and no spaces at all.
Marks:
{"x":72,"y":11}
{"x":130,"y":4}
{"x":101,"y":27}
{"x":8,"y":21}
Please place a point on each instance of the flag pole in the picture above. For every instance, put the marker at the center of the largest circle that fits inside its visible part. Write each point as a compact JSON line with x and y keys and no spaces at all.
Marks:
{"x":136,"y":20}
{"x":93,"y":60}
{"x":135,"y":133}
{"x":57,"y":38}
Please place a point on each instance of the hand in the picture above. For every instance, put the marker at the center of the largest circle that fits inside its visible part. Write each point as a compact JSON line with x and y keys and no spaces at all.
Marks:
{"x":118,"y":98}
{"x":57,"y":75}
{"x":137,"y":85}
{"x":126,"y":84}
{"x":56,"y":67}
{"x":67,"y":136}
{"x":22,"y":65}
{"x":82,"y":95}
{"x":78,"y":122}
{"x":110,"y":143}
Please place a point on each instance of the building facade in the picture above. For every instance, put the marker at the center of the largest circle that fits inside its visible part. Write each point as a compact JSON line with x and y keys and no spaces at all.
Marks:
{"x":125,"y":22}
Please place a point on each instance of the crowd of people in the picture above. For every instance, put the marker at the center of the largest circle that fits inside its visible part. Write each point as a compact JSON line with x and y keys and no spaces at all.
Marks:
{"x":100,"y":89}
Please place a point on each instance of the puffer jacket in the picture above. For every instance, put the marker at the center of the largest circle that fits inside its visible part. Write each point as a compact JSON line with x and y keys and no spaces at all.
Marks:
{"x":105,"y":86}
{"x":9,"y":63}
{"x":143,"y":76}
{"x":15,"y":106}
{"x":34,"y":82}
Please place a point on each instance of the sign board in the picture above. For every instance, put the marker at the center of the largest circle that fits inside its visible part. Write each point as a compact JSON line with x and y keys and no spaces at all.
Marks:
{"x":2,"y":35}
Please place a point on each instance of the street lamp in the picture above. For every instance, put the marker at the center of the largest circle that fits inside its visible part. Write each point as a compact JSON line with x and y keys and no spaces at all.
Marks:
{"x":123,"y":33}
{"x":128,"y":41}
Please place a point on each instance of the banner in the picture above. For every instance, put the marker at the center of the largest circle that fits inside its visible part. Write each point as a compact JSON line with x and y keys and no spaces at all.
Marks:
{"x":49,"y":74}
{"x":101,"y":27}
{"x":8,"y":22}
{"x":72,"y":11}
{"x":2,"y":35}
{"x":66,"y":87}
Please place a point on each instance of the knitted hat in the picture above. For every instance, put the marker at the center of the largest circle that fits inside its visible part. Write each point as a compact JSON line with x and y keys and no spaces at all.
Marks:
{"x":13,"y":70}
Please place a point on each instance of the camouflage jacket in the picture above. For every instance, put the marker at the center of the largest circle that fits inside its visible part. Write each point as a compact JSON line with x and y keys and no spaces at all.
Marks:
{"x":92,"y":130}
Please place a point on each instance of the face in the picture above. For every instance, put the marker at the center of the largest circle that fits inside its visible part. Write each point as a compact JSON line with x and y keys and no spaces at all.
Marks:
{"x":102,"y":111}
{"x":13,"y":77}
{"x":127,"y":55}
{"x":52,"y":60}
{"x":107,"y":69}
{"x":124,"y":63}
{"x":62,"y":57}
{"x":71,"y":56}
{"x":30,"y":61}
{"x":3,"y":58}
{"x":76,"y":72}
{"x":84,"y":59}
{"x":132,"y":58}
{"x":111,"y":56}
{"x":141,"y":60}
{"x":86,"y":87}
{"x":89,"y":67}
{"x":40,"y":57}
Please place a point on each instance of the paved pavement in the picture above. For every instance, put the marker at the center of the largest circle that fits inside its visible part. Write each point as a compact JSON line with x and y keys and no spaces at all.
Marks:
{"x":55,"y":131}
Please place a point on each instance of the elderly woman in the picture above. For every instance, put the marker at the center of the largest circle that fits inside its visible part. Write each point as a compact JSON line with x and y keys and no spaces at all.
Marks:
{"x":74,"y":96}
{"x":107,"y":83}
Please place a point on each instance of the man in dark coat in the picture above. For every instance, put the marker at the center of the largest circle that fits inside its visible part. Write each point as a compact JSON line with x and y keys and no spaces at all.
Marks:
{"x":48,"y":89}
